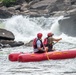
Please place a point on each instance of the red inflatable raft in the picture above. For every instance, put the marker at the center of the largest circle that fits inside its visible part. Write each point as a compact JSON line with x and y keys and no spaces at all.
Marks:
{"x":30,"y":57}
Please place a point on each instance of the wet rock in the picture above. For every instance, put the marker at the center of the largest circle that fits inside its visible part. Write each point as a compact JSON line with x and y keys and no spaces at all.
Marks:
{"x":4,"y":13}
{"x":42,"y":4}
{"x":7,"y":39}
{"x":29,"y":43}
{"x":20,"y":1}
{"x":6,"y":35}
{"x":68,"y":25}
{"x":10,"y":43}
{"x":15,"y":44}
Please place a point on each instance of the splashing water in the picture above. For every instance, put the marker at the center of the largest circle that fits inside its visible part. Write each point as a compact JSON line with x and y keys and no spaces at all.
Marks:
{"x":25,"y":28}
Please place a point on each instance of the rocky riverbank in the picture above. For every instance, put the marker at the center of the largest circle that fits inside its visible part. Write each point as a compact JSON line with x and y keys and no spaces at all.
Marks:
{"x":39,"y":8}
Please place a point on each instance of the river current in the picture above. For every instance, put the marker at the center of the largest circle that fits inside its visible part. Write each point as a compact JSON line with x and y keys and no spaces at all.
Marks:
{"x":24,"y":27}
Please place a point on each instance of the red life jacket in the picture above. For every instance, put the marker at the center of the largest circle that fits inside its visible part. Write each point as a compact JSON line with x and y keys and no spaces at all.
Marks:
{"x":45,"y":41}
{"x":35,"y":43}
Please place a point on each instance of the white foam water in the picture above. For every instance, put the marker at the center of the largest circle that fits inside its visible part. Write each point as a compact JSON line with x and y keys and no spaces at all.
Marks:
{"x":25,"y":29}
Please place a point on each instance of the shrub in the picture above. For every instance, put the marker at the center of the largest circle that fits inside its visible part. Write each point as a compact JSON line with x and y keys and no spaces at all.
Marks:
{"x":8,"y":2}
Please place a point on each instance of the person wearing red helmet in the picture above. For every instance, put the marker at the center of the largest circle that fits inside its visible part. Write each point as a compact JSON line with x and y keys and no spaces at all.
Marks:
{"x":50,"y":34}
{"x":37,"y":44}
{"x":49,"y":40}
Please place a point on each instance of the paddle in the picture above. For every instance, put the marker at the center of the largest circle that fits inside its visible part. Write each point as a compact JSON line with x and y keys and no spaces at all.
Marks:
{"x":47,"y":53}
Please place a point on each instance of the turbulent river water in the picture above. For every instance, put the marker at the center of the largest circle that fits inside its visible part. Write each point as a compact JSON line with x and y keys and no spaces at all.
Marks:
{"x":25,"y":29}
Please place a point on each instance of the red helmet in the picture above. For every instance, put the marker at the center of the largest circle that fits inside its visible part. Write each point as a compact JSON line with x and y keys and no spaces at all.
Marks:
{"x":39,"y":35}
{"x":50,"y":34}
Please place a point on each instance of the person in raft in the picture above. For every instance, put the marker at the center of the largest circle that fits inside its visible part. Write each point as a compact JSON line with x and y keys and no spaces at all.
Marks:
{"x":38,"y":45}
{"x":49,"y":41}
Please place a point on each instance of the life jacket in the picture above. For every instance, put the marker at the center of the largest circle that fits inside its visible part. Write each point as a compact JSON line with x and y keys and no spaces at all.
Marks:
{"x":35,"y":43}
{"x":45,"y":42}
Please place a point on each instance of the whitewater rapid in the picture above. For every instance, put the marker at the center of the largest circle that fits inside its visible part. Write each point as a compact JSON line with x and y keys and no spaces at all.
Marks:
{"x":25,"y":29}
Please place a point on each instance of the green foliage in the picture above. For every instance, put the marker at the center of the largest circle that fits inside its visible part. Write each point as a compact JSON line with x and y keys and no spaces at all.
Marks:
{"x":8,"y":2}
{"x":1,"y":0}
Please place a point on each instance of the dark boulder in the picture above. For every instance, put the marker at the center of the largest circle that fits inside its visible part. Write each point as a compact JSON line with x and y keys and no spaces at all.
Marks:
{"x":19,"y":1}
{"x":6,"y":35}
{"x":4,"y":13}
{"x":68,"y":25}
{"x":14,"y":44}
{"x":7,"y":39}
{"x":10,"y":43}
